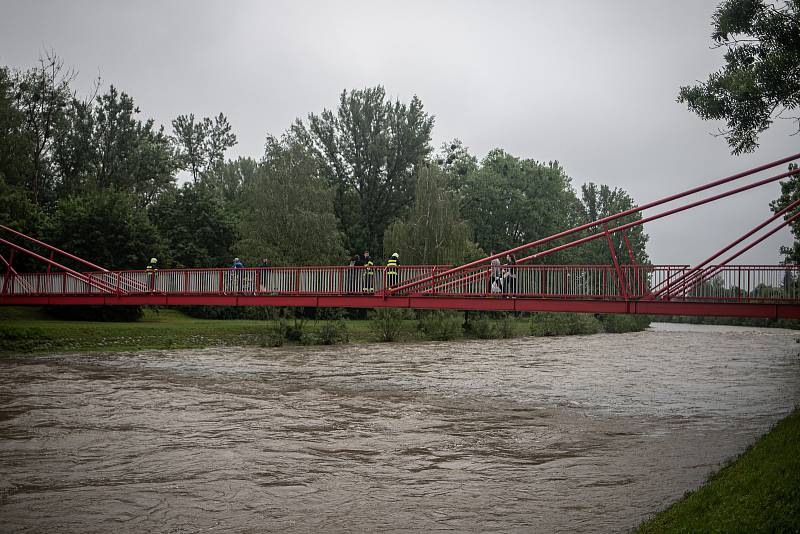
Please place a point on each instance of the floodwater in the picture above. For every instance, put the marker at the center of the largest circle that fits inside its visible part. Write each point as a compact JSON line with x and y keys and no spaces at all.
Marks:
{"x":572,"y":434}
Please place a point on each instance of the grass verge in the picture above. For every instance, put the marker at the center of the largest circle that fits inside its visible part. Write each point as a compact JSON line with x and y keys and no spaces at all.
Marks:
{"x":757,"y":492}
{"x":25,"y":329}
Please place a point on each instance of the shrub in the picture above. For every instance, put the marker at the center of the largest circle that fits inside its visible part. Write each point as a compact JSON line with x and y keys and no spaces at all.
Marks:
{"x":276,"y":333}
{"x":441,"y":325}
{"x":481,"y":328}
{"x":387,"y":323}
{"x":564,"y":324}
{"x":505,"y":327}
{"x":617,"y":323}
{"x":296,"y":331}
{"x":333,"y":332}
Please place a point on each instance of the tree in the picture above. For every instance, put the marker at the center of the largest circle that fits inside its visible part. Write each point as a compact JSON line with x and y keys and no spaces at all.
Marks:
{"x":42,"y":94}
{"x":602,"y":201}
{"x":15,"y":144}
{"x":510,"y":201}
{"x":369,"y":150}
{"x":761,"y":77}
{"x":106,"y":228}
{"x":74,"y":150}
{"x":433,"y":233}
{"x":131,"y":154}
{"x":17,"y":211}
{"x":288,"y":212}
{"x":457,"y":163}
{"x":230,"y":179}
{"x":101,"y":145}
{"x":219,"y":138}
{"x":201,"y":145}
{"x":790,"y":191}
{"x":198,"y":229}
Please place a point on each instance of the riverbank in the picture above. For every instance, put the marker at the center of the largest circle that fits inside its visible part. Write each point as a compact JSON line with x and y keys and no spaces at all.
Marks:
{"x":757,"y":492}
{"x":32,"y":330}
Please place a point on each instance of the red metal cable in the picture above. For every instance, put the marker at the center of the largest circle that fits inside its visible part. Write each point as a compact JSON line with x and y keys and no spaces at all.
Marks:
{"x":683,"y":280}
{"x":95,"y":283}
{"x":54,"y":249}
{"x":604,"y":220}
{"x":662,"y":214}
{"x":716,"y":268}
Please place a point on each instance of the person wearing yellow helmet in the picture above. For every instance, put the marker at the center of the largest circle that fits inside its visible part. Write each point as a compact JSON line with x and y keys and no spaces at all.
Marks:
{"x":151,"y":269}
{"x":368,"y":284}
{"x":391,"y":270}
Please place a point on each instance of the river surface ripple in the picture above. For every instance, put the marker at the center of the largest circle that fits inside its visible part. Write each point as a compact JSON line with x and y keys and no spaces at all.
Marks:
{"x":567,"y":434}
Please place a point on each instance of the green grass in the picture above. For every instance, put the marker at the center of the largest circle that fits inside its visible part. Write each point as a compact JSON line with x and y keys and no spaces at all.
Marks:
{"x":758,"y":492}
{"x":31,"y":330}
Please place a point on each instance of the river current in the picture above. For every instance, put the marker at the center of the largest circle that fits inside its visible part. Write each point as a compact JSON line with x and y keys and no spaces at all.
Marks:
{"x":567,"y":434}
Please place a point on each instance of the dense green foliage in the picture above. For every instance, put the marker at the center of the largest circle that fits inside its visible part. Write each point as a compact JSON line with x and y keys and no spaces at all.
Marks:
{"x":369,"y":151}
{"x":289,"y":210}
{"x":106,"y":226}
{"x":790,"y":192}
{"x":433,"y":233}
{"x":199,"y":229}
{"x":758,"y":492}
{"x":761,"y":77}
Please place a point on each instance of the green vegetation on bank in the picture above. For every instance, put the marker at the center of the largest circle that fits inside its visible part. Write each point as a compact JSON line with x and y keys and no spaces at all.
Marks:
{"x":758,"y":492}
{"x":36,"y":330}
{"x":762,"y":322}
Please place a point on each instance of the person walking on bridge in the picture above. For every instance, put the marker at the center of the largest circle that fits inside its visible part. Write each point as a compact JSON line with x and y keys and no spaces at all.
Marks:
{"x":391,"y":270}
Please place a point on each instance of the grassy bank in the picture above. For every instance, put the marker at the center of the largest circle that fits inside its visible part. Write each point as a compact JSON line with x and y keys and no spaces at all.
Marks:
{"x":758,"y":492}
{"x":32,"y":330}
{"x":792,"y":324}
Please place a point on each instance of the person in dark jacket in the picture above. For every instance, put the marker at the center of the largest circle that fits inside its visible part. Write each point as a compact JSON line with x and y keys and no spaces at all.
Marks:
{"x":369,"y":274}
{"x":510,"y":278}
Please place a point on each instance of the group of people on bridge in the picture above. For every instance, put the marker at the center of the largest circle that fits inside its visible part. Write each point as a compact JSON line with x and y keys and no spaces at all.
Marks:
{"x":364,"y":261}
{"x":368,"y":275}
{"x":504,"y":276}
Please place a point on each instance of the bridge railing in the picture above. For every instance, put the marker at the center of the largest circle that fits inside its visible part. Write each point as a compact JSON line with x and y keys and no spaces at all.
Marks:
{"x":736,"y":283}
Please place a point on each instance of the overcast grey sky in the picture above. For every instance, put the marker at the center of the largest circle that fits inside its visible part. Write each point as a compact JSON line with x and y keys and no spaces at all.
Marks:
{"x":590,"y":84}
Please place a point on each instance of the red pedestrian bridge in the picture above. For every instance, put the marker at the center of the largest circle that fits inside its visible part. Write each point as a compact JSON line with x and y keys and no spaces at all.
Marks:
{"x":714,"y":286}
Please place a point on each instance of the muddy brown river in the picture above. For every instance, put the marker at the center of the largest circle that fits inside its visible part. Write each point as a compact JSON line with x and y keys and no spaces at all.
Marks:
{"x":568,"y":434}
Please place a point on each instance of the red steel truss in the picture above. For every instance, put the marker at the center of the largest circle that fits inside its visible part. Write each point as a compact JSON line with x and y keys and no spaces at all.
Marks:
{"x":704,"y":289}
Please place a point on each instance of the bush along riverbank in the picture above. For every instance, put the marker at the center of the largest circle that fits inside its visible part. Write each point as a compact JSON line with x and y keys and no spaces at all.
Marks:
{"x":757,"y":492}
{"x":38,"y":330}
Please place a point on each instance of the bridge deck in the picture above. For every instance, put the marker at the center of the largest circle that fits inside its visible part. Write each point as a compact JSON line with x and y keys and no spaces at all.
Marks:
{"x":743,"y":290}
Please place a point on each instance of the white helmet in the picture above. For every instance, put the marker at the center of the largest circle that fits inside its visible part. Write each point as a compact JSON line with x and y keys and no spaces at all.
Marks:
{"x":395,"y":255}
{"x":153,"y":260}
